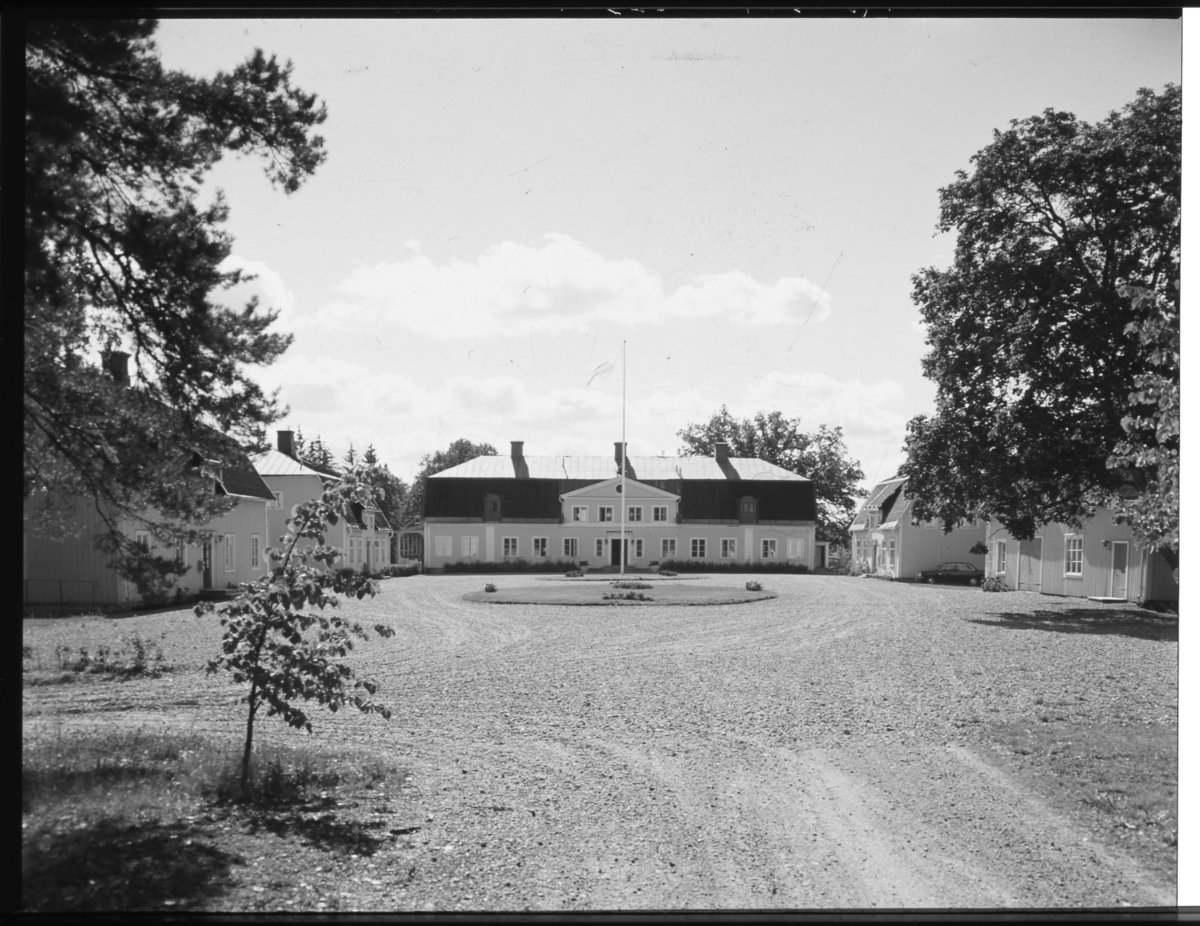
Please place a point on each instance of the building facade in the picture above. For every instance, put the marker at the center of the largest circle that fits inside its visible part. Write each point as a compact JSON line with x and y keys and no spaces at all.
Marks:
{"x":1100,"y":560}
{"x":886,"y":542}
{"x":569,"y":509}
{"x":365,"y":538}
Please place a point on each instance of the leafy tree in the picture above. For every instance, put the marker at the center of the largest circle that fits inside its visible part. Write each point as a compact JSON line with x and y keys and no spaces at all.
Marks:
{"x":1054,"y":387}
{"x":120,"y":253}
{"x":458,"y":452}
{"x":286,"y":652}
{"x":393,"y":493}
{"x":818,"y":455}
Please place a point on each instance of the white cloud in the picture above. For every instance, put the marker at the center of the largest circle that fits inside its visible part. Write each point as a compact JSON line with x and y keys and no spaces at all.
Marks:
{"x":267,"y":285}
{"x":557,"y":287}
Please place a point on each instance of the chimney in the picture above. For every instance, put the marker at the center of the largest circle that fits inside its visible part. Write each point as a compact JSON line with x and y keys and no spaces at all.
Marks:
{"x":721,"y":454}
{"x":286,"y":443}
{"x":117,"y":363}
{"x":520,"y":467}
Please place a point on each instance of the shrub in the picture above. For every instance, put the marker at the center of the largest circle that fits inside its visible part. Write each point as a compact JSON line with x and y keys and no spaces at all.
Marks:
{"x":489,"y":587}
{"x":628,"y":596}
{"x":995,"y":584}
{"x":516,"y":565}
{"x":667,"y":572}
{"x":631,"y":585}
{"x":575,"y":574}
{"x":839,"y":561}
{"x":136,"y":659}
{"x":753,"y":586}
{"x":653,"y":563}
{"x":398,"y":570}
{"x":695,"y":565}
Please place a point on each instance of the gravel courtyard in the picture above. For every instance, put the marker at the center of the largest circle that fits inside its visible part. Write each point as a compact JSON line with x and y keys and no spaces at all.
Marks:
{"x":841,"y":745}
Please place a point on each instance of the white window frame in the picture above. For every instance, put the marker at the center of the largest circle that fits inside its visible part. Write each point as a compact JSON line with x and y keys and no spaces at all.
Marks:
{"x":579,"y":513}
{"x":606,"y":513}
{"x":570,"y":548}
{"x":230,"y":552}
{"x":728,"y":548}
{"x":1070,"y":541}
{"x":668,"y":547}
{"x":769,"y":548}
{"x":600,"y":548}
{"x":470,"y":547}
{"x":795,"y":548}
{"x":255,"y":552}
{"x":543,"y":543}
{"x":511,"y":547}
{"x":443,"y":546}
{"x":699,"y":548}
{"x":635,"y":513}
{"x":660,"y":513}
{"x":142,"y":539}
{"x":1001,"y":557}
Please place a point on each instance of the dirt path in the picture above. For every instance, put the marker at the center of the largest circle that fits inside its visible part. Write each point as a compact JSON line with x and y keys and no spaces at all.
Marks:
{"x":804,"y":752}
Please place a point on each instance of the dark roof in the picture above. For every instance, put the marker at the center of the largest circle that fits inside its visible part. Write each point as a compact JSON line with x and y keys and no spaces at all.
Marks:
{"x":356,"y":516}
{"x":700,"y":499}
{"x":244,"y":482}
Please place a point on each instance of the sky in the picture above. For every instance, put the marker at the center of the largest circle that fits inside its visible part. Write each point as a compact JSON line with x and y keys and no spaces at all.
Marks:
{"x":741,"y":204}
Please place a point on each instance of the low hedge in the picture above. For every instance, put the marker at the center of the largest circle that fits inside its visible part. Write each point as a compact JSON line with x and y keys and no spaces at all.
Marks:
{"x":516,"y":565}
{"x":699,"y":565}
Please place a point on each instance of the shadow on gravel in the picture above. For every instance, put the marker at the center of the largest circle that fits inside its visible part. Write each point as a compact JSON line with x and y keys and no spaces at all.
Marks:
{"x":1144,"y":625}
{"x":112,"y":864}
{"x":322,"y":830}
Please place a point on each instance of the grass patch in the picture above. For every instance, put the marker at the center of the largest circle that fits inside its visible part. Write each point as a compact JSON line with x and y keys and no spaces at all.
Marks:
{"x":631,"y":585}
{"x":129,"y":819}
{"x":1126,"y":775}
{"x":585,"y":594}
{"x":759,"y":566}
{"x":132,"y":658}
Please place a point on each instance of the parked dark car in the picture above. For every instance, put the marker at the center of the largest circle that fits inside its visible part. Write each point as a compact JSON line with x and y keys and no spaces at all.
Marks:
{"x":952,"y":572}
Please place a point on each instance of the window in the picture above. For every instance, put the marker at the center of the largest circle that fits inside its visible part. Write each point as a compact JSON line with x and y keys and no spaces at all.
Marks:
{"x":278,"y":503}
{"x":796,"y":549}
{"x":180,"y":553}
{"x":892,"y":554}
{"x":1002,"y":557}
{"x":637,"y":548}
{"x":635,"y":512}
{"x":442,"y":546}
{"x":748,"y":510}
{"x":571,"y":547}
{"x":230,"y":556}
{"x":769,"y":550}
{"x":370,"y":519}
{"x":1074,"y":556}
{"x":491,"y":508}
{"x":728,"y":548}
{"x":579,"y":513}
{"x":668,"y":548}
{"x":660,"y":512}
{"x":600,"y":548}
{"x":142,"y":539}
{"x":699,"y":548}
{"x":255,"y":554}
{"x":539,"y":546}
{"x":510,"y":546}
{"x":470,"y":547}
{"x":606,"y":513}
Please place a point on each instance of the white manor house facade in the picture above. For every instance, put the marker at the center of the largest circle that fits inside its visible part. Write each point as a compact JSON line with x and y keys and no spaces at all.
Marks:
{"x":568,"y":509}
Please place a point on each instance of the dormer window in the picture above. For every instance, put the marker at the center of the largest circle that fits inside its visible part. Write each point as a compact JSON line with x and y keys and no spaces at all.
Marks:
{"x":491,"y":508}
{"x":748,"y":510}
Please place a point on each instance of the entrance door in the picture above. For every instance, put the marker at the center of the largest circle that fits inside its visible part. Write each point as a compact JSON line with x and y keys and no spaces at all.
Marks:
{"x":1029,"y":565}
{"x":1120,"y":569}
{"x":616,"y":551}
{"x":206,"y":546}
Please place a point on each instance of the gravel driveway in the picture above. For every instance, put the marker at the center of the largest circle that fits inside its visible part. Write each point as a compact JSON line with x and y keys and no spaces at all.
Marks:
{"x":822,"y":749}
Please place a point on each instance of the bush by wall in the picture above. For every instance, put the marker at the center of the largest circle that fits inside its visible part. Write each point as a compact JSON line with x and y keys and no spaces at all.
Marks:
{"x":697,"y":565}
{"x":995,"y":584}
{"x":398,"y":570}
{"x":516,"y":565}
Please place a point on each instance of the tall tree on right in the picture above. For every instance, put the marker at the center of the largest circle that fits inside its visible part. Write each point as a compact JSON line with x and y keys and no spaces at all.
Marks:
{"x":1054,"y":333}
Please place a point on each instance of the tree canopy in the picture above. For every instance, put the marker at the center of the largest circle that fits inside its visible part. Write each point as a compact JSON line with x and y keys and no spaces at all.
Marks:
{"x":122,"y":255}
{"x":1054,"y":334}
{"x":458,"y":452}
{"x":818,"y":455}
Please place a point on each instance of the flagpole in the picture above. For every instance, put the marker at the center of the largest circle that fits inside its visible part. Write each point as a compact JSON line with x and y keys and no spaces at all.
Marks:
{"x":624,"y":497}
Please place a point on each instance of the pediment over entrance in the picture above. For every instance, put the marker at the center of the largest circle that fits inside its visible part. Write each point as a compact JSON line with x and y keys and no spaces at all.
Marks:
{"x":609,"y":489}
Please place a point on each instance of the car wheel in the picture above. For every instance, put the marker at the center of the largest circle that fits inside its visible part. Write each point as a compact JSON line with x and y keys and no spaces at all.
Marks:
{"x":973,"y":582}
{"x":930,"y":580}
